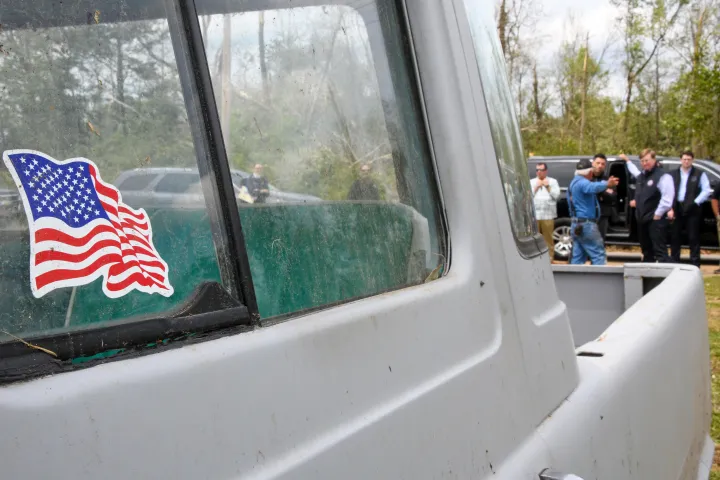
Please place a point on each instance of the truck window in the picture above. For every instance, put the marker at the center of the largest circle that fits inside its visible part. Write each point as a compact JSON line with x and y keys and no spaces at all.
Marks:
{"x":503,"y":122}
{"x":136,"y":182}
{"x":323,"y":98}
{"x":89,"y":95}
{"x":177,"y":182}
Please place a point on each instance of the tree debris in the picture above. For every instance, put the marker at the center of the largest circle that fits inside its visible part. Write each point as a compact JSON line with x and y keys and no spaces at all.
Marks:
{"x":36,"y":347}
{"x":92,"y":128}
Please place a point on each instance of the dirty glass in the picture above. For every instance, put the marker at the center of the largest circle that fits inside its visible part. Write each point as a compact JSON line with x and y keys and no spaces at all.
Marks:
{"x":321,"y":97}
{"x":503,"y":121}
{"x":100,"y":84}
{"x":136,"y":182}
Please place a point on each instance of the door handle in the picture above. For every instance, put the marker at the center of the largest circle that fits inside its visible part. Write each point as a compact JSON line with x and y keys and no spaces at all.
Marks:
{"x":549,"y":474}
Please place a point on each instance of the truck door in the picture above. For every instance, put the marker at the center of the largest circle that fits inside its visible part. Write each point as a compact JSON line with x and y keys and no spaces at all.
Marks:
{"x":378,"y":338}
{"x":618,"y":169}
{"x":542,"y":320}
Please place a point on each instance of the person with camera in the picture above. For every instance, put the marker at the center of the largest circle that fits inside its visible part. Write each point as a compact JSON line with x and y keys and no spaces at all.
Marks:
{"x":546,"y":192}
{"x":585,"y":212}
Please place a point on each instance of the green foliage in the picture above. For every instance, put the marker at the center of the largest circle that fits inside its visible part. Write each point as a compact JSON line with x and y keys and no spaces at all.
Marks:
{"x":109,"y":93}
{"x":673,"y":90}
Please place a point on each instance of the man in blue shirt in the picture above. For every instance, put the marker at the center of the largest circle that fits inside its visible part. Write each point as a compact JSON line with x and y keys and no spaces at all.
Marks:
{"x":585,"y":212}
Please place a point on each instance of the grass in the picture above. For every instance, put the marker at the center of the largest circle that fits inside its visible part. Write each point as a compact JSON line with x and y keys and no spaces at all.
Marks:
{"x":712,"y":296}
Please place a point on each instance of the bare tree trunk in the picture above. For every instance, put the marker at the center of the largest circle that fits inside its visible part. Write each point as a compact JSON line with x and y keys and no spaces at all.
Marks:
{"x":326,"y":68}
{"x":697,"y":54}
{"x":263,"y":64}
{"x":347,"y":142}
{"x":536,"y":95}
{"x":205,"y":26}
{"x":628,"y":99}
{"x":226,"y":87}
{"x":697,"y":35}
{"x":584,"y":94}
{"x":120,"y":84}
{"x":657,"y":101}
{"x":503,"y":25}
{"x":520,"y":97}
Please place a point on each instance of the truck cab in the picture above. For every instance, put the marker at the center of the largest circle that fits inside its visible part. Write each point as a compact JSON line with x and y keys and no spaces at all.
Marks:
{"x":419,"y":334}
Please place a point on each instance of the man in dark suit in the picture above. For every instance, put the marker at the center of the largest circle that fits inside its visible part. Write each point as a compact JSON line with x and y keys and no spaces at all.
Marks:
{"x":606,"y":198}
{"x":692,"y":189}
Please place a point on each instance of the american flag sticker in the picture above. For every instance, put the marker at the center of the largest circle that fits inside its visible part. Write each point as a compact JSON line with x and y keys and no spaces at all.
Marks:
{"x":81,"y":230}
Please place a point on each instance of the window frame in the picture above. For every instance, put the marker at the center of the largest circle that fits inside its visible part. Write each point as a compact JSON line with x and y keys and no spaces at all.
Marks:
{"x":213,"y":309}
{"x":531,"y":246}
{"x":199,"y":319}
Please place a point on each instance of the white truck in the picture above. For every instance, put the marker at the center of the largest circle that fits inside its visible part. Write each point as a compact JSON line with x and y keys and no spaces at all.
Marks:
{"x":419,"y":333}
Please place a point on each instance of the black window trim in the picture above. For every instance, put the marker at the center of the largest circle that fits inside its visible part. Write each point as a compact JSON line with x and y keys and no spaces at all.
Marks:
{"x":232,"y":255}
{"x":532,"y":246}
{"x":212,"y":308}
{"x":444,"y":240}
{"x":92,"y":344}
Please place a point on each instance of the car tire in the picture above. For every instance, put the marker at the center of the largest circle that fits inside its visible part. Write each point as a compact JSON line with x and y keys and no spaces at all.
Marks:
{"x":562,"y":240}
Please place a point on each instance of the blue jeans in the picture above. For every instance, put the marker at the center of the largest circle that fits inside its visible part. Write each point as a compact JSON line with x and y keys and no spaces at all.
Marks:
{"x":589,"y":245}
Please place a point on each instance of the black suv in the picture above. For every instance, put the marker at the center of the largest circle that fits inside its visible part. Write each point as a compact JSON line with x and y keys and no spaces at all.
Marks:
{"x":622,"y":228}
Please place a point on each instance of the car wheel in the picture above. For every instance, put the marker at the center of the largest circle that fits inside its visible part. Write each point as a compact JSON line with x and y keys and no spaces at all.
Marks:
{"x":562,"y":239}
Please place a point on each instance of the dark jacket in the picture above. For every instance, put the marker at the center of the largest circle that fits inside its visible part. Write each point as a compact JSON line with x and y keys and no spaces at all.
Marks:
{"x":607,"y":200}
{"x":364,"y":189}
{"x":254,"y":185}
{"x":691,"y":189}
{"x":647,"y":194}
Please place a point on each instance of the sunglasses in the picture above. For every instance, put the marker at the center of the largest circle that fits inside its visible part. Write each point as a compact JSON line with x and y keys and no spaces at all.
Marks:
{"x":539,"y":169}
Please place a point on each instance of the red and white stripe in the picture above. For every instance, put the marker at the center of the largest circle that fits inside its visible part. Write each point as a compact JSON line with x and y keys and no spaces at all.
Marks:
{"x":121,"y":249}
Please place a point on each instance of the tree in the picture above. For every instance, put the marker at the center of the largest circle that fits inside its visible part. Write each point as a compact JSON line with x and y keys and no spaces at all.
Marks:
{"x":640,"y":19}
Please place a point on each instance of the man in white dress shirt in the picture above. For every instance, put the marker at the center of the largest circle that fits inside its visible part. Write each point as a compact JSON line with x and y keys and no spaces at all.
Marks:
{"x":654,"y":197}
{"x":692,"y":189}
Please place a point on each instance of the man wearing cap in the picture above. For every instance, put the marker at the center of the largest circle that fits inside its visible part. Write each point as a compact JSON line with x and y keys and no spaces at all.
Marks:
{"x":585,"y":212}
{"x":654,"y":197}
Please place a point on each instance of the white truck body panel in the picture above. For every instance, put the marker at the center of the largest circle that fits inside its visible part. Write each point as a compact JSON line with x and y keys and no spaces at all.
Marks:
{"x":475,"y":375}
{"x":182,"y":414}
